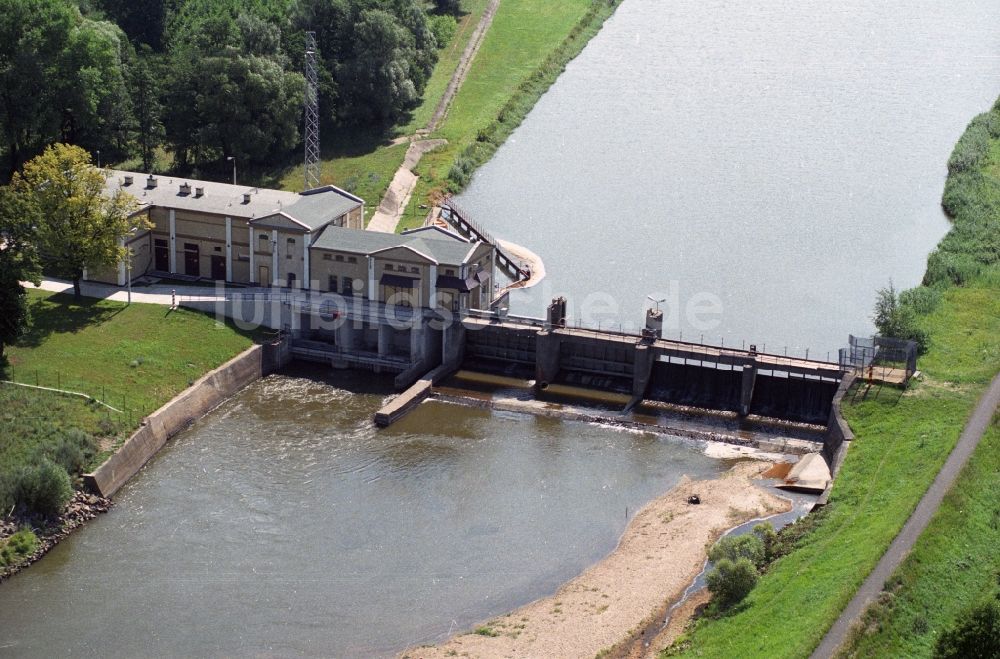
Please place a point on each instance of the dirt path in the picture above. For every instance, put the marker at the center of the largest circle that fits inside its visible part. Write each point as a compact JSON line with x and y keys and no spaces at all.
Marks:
{"x":397,"y":197}
{"x":661,"y":551}
{"x":918,"y":521}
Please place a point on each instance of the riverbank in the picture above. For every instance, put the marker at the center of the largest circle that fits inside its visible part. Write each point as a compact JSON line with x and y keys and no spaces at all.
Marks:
{"x":661,"y":551}
{"x":131,"y":358}
{"x":901,"y":439}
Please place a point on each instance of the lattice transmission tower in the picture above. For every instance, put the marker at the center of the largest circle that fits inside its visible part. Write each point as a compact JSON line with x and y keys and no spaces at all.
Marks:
{"x":312,"y":115}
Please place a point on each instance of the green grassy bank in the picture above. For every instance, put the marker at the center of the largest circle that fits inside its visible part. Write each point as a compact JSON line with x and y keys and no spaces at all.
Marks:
{"x":901,"y":443}
{"x":135,"y":358}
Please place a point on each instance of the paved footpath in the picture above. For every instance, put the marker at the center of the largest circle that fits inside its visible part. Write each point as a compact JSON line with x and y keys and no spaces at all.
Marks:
{"x":903,"y":543}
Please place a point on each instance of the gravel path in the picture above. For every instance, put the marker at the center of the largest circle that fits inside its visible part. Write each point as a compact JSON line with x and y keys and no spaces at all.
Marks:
{"x":918,"y":521}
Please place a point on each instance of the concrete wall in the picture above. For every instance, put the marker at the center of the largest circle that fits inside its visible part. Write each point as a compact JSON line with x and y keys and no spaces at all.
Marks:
{"x":176,"y":415}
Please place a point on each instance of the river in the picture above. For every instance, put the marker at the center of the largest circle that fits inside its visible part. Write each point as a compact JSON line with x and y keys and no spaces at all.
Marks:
{"x":285,"y":524}
{"x":780,"y":159}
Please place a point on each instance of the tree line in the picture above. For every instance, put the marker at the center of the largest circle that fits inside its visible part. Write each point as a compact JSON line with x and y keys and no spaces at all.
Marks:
{"x":205,"y":79}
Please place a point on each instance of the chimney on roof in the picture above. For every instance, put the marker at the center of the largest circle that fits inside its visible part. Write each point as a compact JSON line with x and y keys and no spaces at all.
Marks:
{"x":128,"y":180}
{"x":199,"y":192}
{"x":246,"y":197}
{"x":151,"y":182}
{"x":185,"y":188}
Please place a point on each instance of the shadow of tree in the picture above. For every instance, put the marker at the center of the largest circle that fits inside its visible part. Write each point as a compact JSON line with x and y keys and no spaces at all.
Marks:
{"x":61,"y":313}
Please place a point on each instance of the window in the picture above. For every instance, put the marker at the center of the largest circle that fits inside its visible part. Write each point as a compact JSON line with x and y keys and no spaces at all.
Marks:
{"x":291,"y":248}
{"x":263,"y":236}
{"x":415,"y":270}
{"x":328,"y":257}
{"x":218,"y":249}
{"x":352,"y":259}
{"x":340,"y":257}
{"x":333,"y":284}
{"x":449,"y":272}
{"x":388,"y":266}
{"x":347,"y":286}
{"x":291,"y":243}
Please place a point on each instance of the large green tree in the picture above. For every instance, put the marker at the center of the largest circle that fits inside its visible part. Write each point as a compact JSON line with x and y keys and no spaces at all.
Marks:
{"x":62,"y":77}
{"x":78,"y":224}
{"x":18,"y":263}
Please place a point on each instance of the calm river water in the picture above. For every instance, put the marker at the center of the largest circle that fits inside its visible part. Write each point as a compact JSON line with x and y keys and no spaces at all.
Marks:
{"x":285,"y":524}
{"x":784,"y":156}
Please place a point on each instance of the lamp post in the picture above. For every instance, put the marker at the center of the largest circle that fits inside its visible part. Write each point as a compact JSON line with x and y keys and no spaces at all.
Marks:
{"x":98,"y":158}
{"x":233,"y":158}
{"x":655,"y":301}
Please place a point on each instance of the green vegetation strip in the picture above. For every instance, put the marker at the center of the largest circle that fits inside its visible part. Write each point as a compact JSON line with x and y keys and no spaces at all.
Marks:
{"x":901,"y":443}
{"x":952,"y":565}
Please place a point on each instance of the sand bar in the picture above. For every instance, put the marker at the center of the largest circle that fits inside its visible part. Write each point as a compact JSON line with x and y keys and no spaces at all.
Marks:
{"x":661,"y":551}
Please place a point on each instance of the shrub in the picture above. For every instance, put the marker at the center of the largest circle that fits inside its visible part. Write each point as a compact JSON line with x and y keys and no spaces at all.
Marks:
{"x":976,"y":634}
{"x":922,"y":299}
{"x":443,"y":27}
{"x":731,"y":581}
{"x":735,"y":547}
{"x":73,"y":450}
{"x":44,"y":488}
{"x":972,"y":146}
{"x":948,"y":268}
{"x":893,"y":319}
{"x":18,"y":547}
{"x":769,"y":538}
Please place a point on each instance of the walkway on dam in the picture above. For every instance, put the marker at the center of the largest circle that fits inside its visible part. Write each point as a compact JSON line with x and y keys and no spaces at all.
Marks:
{"x":152,"y":294}
{"x":914,"y":527}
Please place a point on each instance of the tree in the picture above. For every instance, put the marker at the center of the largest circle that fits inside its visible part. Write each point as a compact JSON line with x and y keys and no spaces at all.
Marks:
{"x":897,"y":320}
{"x":62,"y":77}
{"x":18,"y":262}
{"x":729,"y":581}
{"x":976,"y":634}
{"x":448,"y":6}
{"x":78,"y":224}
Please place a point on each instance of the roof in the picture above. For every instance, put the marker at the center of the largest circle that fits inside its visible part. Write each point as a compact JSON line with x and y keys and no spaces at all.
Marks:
{"x":443,"y":247}
{"x":312,"y":208}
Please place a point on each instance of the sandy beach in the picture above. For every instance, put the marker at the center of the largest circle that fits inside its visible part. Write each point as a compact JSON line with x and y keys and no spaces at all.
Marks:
{"x":662,"y":550}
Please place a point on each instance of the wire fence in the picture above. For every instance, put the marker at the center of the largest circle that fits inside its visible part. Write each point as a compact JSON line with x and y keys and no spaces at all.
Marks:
{"x":112,"y":403}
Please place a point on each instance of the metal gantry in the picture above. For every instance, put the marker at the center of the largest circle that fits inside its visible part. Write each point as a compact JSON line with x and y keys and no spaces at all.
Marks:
{"x":311,"y":115}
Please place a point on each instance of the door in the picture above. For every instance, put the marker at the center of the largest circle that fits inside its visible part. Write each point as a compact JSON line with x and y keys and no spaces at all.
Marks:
{"x":192,"y":262}
{"x":264,"y":278}
{"x":161,"y":255}
{"x":218,"y":267}
{"x":291,"y":280}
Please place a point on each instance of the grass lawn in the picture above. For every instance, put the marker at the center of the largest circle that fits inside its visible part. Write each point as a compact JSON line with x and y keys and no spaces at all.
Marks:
{"x":953,"y":564}
{"x":900,"y":446}
{"x":140,"y":356}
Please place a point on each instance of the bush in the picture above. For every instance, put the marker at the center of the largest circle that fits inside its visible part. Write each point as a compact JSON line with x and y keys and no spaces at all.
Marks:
{"x":922,"y":299}
{"x":972,"y":146}
{"x":769,"y":538}
{"x":735,"y":547}
{"x":896,"y":320}
{"x":444,"y":28}
{"x":18,"y":547}
{"x":43,"y":488}
{"x":731,"y":581}
{"x":976,"y":634}
{"x":72,"y":451}
{"x":948,"y":268}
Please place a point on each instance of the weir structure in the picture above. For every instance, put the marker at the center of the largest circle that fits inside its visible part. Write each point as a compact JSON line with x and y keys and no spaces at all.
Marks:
{"x":650,"y":368}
